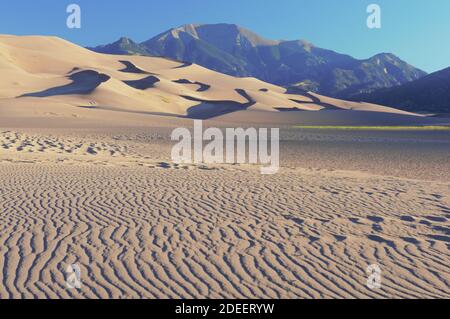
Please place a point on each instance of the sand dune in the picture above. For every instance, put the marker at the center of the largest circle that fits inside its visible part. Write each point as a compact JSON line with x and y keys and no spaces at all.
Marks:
{"x":39,"y":67}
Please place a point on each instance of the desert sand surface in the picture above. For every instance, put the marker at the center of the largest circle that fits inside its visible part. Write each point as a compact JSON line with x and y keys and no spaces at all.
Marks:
{"x":141,"y":226}
{"x":86,"y":177}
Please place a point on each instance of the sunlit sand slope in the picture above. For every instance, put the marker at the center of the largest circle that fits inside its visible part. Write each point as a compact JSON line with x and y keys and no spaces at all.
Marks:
{"x":50,"y":71}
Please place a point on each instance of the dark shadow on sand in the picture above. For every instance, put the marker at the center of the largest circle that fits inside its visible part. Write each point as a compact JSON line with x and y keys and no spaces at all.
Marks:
{"x":210,"y":109}
{"x":131,"y":68}
{"x":84,"y":82}
{"x":143,"y":84}
{"x":183,"y":65}
{"x":289,"y":109}
{"x":203,"y":87}
{"x":316,"y":101}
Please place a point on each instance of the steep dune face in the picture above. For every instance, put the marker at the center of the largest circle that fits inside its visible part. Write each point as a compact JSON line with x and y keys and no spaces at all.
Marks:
{"x":48,"y":69}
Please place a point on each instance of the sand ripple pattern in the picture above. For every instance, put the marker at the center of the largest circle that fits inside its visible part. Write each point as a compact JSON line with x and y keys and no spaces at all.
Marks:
{"x":167,"y":233}
{"x":25,"y":143}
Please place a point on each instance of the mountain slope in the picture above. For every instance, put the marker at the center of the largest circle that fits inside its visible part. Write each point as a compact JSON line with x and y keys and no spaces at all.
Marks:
{"x":428,"y":94}
{"x":236,"y":51}
{"x":123,"y":46}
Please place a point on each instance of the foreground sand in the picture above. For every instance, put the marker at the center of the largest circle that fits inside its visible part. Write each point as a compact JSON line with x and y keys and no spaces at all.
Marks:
{"x":140,"y":226}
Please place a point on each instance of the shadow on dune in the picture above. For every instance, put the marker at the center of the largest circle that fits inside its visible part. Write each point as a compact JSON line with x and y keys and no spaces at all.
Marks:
{"x":209,"y":109}
{"x":183,"y":65}
{"x":75,"y":69}
{"x":84,"y":82}
{"x":289,"y":109}
{"x":143,"y":84}
{"x":202,"y":86}
{"x":131,"y":68}
{"x":90,"y":107}
{"x":326,"y":106}
{"x":315,"y":100}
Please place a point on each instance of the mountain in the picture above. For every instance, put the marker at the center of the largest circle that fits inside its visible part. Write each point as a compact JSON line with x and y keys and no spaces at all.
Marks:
{"x":124,"y":46}
{"x":236,"y":51}
{"x":428,"y":94}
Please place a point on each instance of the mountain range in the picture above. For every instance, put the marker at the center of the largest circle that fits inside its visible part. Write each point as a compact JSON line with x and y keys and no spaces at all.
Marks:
{"x":428,"y":94}
{"x":298,"y":64}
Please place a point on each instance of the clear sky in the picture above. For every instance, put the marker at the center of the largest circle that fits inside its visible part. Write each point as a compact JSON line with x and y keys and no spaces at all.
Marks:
{"x":418,"y":31}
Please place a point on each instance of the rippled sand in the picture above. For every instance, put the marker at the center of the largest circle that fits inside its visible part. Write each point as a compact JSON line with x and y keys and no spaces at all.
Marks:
{"x":140,"y":226}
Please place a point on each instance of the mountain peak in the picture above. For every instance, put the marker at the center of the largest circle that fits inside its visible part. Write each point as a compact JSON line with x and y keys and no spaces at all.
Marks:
{"x":125,"y":40}
{"x":385,"y":56}
{"x":186,"y":28}
{"x":122,"y":46}
{"x":222,"y":31}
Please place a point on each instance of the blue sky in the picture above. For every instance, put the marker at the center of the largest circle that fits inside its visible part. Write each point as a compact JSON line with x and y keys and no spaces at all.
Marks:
{"x":416,"y":30}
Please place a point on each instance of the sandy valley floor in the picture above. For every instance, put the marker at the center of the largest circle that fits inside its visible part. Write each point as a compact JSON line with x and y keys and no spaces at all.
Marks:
{"x":140,"y":226}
